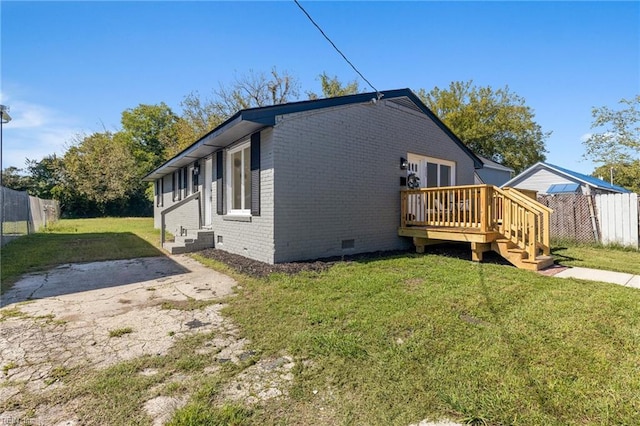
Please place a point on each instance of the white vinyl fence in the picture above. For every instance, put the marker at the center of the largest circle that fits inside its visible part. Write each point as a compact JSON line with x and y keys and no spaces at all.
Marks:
{"x":618,"y":218}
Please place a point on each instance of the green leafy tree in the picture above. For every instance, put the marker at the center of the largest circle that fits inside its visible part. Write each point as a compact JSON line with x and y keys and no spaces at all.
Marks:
{"x":626,"y":175}
{"x":101,"y":169}
{"x":14,"y":178}
{"x":47,"y":176}
{"x":617,"y":143}
{"x":332,"y":87}
{"x":148,"y":129}
{"x":496,"y":124}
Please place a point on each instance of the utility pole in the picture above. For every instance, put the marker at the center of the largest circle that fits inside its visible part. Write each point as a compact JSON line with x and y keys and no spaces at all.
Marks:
{"x":4,"y":118}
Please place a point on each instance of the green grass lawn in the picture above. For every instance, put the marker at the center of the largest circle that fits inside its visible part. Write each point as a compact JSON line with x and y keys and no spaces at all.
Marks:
{"x":391,"y":340}
{"x":597,"y":257}
{"x":398,"y":340}
{"x":79,"y":240}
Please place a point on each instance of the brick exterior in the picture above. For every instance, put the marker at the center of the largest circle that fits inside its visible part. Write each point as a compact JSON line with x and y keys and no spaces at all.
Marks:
{"x":337,"y":176}
{"x":252,"y":239}
{"x":330,"y":176}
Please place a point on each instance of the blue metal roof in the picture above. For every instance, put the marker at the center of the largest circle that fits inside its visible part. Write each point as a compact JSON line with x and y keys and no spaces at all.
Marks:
{"x":563,"y":188}
{"x":595,"y":182}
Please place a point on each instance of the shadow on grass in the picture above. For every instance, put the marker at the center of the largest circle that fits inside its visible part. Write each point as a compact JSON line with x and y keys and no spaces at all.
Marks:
{"x":517,"y":352}
{"x":556,"y":253}
{"x":59,"y":264}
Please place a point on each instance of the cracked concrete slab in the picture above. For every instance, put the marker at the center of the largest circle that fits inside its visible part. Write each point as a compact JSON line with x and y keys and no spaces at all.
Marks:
{"x":95,"y":315}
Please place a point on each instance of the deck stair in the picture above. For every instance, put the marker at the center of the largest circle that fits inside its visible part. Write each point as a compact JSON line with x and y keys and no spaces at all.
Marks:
{"x":519,"y":257}
{"x":192,"y":240}
{"x":503,"y":220}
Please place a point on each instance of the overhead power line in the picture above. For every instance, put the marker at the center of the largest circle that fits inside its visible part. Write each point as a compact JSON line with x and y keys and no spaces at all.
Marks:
{"x":336,"y":48}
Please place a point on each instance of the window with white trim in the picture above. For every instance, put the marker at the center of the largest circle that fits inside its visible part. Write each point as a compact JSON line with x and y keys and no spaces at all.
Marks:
{"x":239,"y":179}
{"x":184,"y":190}
{"x":177,"y":185}
{"x":159,"y":192}
{"x":440,"y":172}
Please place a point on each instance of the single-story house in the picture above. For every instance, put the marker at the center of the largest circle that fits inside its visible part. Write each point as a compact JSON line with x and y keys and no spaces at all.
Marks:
{"x":309,"y":179}
{"x":492,"y":173}
{"x":547,"y":178}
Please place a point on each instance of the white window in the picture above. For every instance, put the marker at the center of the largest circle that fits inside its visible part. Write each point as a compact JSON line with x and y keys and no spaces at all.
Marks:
{"x":239,"y":179}
{"x":440,"y":172}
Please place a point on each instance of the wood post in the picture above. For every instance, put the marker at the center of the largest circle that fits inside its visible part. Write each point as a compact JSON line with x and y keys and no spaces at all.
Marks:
{"x":478,"y":249}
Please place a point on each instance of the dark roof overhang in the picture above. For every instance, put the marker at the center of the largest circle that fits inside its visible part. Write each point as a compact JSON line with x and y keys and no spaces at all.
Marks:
{"x":245,"y":122}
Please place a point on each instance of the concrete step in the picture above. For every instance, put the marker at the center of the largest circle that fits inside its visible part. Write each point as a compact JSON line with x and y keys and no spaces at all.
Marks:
{"x":540,"y":262}
{"x":175,"y":248}
{"x":194,"y":240}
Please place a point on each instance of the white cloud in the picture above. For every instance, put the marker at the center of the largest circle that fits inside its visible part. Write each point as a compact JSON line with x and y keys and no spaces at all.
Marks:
{"x":34,"y":132}
{"x":585,"y":137}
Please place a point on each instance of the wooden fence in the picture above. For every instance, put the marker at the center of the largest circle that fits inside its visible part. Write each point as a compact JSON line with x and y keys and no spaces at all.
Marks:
{"x":607,"y":219}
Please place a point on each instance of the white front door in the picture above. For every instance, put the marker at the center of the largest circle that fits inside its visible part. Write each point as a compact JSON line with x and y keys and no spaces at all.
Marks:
{"x":426,"y":172}
{"x":431,"y":172}
{"x":208,"y":177}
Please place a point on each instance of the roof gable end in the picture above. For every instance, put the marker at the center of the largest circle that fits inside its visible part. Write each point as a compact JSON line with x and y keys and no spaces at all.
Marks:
{"x":569,"y":174}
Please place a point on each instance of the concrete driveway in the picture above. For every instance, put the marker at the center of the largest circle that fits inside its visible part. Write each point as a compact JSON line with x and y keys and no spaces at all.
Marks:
{"x":66,"y":317}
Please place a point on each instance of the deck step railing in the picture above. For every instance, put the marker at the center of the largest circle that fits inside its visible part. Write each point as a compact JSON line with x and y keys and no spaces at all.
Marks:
{"x":485,"y":208}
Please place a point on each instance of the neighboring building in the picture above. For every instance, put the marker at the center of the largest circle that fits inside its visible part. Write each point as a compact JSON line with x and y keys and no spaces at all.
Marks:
{"x":309,"y":179}
{"x":549,"y":179}
{"x":492,"y":173}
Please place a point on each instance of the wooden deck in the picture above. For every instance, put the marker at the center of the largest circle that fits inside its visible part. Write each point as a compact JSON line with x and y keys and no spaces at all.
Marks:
{"x":505,"y":221}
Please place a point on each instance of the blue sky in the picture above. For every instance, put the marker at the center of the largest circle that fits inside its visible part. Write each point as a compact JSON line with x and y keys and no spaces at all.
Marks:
{"x":73,"y":67}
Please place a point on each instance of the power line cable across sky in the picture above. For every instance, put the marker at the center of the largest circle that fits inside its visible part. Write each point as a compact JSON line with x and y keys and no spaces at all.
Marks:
{"x":336,"y":48}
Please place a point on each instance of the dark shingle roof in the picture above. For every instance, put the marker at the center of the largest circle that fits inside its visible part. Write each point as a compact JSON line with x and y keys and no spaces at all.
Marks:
{"x":250,"y":120}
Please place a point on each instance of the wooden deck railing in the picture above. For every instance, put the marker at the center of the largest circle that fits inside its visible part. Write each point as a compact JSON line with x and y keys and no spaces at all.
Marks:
{"x":484,"y":208}
{"x":519,"y":209}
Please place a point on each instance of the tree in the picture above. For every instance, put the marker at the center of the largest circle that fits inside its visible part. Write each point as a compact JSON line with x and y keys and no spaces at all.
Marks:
{"x":332,"y":87}
{"x":47,"y":177}
{"x":255,"y":89}
{"x":101,"y":169}
{"x":619,"y":138}
{"x":199,"y":116}
{"x":149,"y":130}
{"x":495,"y":124}
{"x":14,"y":178}
{"x":626,"y":175}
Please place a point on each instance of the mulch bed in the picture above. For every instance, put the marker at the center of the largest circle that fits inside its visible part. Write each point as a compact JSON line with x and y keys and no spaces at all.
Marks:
{"x":258,"y":269}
